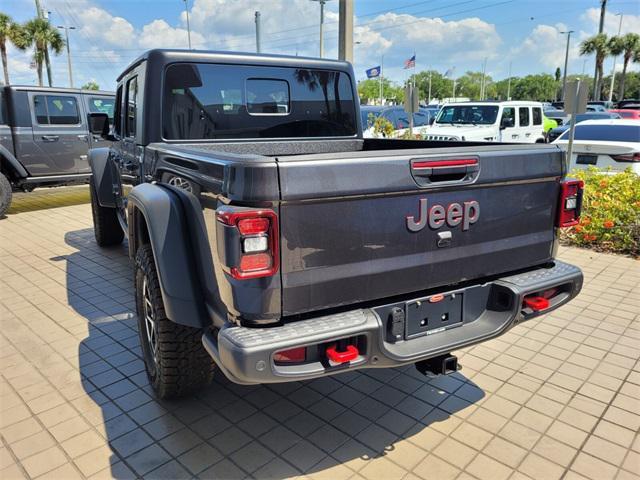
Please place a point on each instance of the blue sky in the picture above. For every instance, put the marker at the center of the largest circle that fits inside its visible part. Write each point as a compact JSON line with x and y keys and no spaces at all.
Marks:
{"x":443,"y":33}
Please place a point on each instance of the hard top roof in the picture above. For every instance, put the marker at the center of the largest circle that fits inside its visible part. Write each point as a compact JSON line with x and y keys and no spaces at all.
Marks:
{"x":35,"y":88}
{"x":168,"y":56}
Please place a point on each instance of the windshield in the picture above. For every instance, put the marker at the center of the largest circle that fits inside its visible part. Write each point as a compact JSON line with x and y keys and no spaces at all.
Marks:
{"x":612,"y":133}
{"x":468,"y":114}
{"x":208,"y":101}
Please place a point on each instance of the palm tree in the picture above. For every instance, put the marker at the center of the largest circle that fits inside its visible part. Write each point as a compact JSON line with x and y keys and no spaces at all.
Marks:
{"x":42,"y":36}
{"x":625,"y":45}
{"x":9,"y":32}
{"x":599,"y":45}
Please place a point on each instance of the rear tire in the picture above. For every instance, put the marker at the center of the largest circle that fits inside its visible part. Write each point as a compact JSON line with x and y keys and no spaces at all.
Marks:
{"x":106,"y":226}
{"x":5,"y":195}
{"x":175,"y":359}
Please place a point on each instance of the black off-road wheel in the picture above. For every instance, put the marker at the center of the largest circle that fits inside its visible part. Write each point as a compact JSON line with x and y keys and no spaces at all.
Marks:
{"x":176,"y":362}
{"x":106,"y":226}
{"x":5,"y":195}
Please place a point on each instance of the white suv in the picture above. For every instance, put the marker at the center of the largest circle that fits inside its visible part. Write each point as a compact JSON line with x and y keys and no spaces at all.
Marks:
{"x":511,"y":122}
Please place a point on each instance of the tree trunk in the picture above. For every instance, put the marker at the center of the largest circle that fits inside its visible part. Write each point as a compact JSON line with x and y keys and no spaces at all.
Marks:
{"x":5,"y":66}
{"x":624,"y":74}
{"x":597,"y":89}
{"x":39,"y":65}
{"x":48,"y":62}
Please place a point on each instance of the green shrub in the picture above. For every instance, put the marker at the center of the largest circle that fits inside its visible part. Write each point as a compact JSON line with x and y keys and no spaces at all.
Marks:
{"x":610,"y":212}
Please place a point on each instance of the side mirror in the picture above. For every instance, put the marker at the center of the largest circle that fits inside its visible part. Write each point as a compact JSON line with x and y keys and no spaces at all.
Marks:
{"x":98,"y":124}
{"x":506,"y":123}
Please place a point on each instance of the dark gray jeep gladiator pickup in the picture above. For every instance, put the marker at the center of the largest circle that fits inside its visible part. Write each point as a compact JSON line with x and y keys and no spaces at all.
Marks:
{"x":271,"y":240}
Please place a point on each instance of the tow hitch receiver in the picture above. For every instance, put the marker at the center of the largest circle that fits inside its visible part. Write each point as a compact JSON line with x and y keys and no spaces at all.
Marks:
{"x":536,"y":303}
{"x":343,"y":356}
{"x":442,"y":365}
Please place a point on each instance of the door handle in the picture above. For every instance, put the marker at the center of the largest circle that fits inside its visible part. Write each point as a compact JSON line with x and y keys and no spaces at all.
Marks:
{"x":84,"y":138}
{"x":50,"y":138}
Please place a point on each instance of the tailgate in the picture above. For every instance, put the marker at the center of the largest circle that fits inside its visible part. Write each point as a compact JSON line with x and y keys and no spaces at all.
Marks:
{"x":364,"y":226}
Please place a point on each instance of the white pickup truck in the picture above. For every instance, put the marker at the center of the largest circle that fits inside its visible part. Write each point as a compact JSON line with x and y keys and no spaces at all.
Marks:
{"x":512,"y":122}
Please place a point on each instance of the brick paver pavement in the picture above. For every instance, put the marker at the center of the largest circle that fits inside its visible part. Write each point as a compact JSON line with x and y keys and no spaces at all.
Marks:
{"x":556,"y":397}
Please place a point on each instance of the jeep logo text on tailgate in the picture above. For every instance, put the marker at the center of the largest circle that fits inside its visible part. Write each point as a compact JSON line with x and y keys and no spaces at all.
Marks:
{"x":453,"y":215}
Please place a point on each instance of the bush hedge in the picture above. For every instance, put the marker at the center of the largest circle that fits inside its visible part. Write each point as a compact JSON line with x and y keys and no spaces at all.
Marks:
{"x":610,"y":218}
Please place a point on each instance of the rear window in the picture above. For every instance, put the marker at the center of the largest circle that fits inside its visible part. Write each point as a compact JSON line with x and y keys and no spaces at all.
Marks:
{"x":56,"y":110}
{"x":209,"y":101}
{"x":613,"y":133}
{"x":537,"y":116}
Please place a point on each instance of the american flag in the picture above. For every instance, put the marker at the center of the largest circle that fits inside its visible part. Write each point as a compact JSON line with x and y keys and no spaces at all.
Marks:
{"x":411,"y":63}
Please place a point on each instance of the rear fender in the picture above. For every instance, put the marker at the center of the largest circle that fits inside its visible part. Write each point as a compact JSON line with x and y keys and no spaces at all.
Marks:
{"x":102,"y":176}
{"x":156,"y":215}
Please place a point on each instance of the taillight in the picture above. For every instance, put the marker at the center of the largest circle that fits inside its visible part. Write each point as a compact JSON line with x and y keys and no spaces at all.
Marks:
{"x":627,"y":157}
{"x":257,"y":234}
{"x":570,"y":204}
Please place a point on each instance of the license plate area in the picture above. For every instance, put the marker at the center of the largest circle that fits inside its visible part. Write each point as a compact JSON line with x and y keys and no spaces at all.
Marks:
{"x":433,"y":315}
{"x":587,"y":159}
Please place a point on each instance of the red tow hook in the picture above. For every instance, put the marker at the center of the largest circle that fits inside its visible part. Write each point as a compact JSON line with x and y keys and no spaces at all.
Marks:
{"x":536,"y":303}
{"x":351,"y":353}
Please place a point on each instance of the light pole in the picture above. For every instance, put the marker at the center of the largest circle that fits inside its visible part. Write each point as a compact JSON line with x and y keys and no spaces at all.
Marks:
{"x":258,"y":49}
{"x":566,"y":61}
{"x":613,"y":70}
{"x":186,"y":10}
{"x":509,"y":84}
{"x":321,"y":2}
{"x":66,"y":36}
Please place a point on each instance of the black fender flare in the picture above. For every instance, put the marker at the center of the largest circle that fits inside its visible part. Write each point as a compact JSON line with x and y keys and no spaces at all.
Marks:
{"x":166,"y":225}
{"x":19,"y":172}
{"x":102,"y":176}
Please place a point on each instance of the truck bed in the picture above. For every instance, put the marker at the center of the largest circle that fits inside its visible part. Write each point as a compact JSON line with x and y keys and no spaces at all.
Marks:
{"x":344,"y":236}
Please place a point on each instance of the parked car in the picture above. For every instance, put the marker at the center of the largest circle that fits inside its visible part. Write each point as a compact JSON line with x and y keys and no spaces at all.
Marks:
{"x":396,"y":115}
{"x":560,"y":116}
{"x":596,"y":108}
{"x":44,"y":137}
{"x":633,"y":114}
{"x":628,"y":103}
{"x":604,"y":104}
{"x":513,"y":121}
{"x":606,"y":144}
{"x":556,"y":132}
{"x":284,"y":246}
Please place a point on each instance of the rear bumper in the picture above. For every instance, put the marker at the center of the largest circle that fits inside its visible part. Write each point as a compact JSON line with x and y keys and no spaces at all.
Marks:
{"x":490,"y":309}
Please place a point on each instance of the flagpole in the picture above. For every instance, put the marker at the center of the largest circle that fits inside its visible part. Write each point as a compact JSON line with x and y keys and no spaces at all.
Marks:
{"x":381,"y":70}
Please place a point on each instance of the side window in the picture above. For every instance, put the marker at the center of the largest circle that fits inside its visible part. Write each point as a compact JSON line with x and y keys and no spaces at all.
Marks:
{"x":40,"y":109}
{"x":4,"y":119}
{"x":132,"y":107}
{"x":510,"y":113}
{"x":117,"y":120}
{"x":523,"y":116}
{"x":537,"y":116}
{"x":101,"y":105}
{"x":56,"y":110}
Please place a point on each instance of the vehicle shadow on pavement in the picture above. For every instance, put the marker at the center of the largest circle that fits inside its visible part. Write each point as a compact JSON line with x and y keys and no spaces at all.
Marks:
{"x":231,"y":431}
